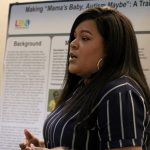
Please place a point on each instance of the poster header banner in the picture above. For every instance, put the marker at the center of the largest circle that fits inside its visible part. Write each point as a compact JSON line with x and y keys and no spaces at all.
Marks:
{"x":57,"y":17}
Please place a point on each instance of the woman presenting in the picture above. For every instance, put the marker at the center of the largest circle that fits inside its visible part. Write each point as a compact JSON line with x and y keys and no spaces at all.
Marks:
{"x":105,"y":102}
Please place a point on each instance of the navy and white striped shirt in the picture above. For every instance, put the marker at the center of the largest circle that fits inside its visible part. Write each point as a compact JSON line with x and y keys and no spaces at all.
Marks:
{"x":121,"y":121}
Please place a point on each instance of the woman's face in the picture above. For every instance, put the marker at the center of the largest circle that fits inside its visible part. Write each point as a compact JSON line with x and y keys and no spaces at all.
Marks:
{"x":86,"y":49}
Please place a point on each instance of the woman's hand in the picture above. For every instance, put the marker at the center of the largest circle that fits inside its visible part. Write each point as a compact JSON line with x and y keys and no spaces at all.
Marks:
{"x":29,"y":139}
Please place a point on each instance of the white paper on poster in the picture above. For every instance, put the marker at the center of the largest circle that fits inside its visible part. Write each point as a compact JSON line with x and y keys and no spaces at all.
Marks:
{"x":25,"y":88}
{"x":58,"y":58}
{"x":144,"y":52}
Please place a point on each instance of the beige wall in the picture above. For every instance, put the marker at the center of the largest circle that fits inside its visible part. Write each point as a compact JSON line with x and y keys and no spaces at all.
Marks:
{"x":4,"y":10}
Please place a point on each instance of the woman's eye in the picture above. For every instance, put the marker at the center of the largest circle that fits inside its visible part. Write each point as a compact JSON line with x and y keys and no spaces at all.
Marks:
{"x":85,"y":38}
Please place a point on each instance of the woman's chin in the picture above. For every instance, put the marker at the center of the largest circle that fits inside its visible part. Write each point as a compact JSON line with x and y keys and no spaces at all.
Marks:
{"x":73,"y":70}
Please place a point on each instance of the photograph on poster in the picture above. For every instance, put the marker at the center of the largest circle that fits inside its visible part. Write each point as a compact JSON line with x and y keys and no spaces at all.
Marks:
{"x":53,"y":98}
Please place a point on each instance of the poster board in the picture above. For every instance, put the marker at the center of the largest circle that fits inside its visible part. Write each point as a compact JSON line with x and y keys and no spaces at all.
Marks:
{"x":35,"y":59}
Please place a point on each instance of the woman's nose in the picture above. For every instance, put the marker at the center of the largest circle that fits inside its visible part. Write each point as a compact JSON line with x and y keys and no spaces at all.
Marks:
{"x":73,"y":44}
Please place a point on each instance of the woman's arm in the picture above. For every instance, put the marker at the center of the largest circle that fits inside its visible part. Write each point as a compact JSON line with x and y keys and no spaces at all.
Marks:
{"x":40,"y":148}
{"x":128,"y":148}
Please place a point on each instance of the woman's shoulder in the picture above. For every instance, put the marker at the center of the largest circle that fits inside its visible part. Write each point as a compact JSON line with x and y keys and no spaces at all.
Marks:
{"x":123,"y":89}
{"x":122,"y":84}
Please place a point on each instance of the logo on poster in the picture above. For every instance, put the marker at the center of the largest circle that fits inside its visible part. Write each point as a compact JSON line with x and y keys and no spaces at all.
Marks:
{"x":20,"y":23}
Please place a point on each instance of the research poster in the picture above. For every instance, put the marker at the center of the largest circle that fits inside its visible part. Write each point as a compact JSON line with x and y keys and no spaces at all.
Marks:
{"x":35,"y":59}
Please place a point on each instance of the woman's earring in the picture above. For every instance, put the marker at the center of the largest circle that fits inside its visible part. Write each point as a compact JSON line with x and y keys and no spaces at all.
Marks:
{"x":99,"y":64}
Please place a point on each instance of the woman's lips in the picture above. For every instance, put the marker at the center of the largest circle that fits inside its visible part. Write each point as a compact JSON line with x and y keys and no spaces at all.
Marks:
{"x":72,"y":57}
